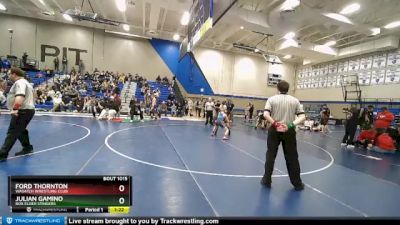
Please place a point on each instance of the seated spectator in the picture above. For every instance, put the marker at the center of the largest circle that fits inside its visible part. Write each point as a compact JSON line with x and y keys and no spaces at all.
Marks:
{"x":366,"y":137}
{"x":135,"y":109}
{"x":79,"y":103}
{"x":316,"y":127}
{"x":261,"y":121}
{"x":163,"y":109}
{"x":173,"y":109}
{"x":384,"y":144}
{"x":171,"y":96}
{"x":165,"y":81}
{"x":308,"y":124}
{"x":383,"y":120}
{"x":58,"y":104}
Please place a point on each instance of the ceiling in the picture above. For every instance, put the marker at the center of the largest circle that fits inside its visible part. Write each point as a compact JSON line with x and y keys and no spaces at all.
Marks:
{"x":155,"y":18}
{"x":307,"y":21}
{"x":161,"y":19}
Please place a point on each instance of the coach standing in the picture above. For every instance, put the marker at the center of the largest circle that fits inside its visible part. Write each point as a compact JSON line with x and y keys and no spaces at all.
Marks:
{"x":20,"y":102}
{"x":281,"y":111}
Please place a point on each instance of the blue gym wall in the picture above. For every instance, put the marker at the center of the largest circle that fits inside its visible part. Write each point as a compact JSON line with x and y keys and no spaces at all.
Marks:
{"x":186,"y":70}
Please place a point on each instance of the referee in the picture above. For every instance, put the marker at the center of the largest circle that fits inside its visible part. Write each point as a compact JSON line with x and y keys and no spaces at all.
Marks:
{"x":20,"y":102}
{"x":281,"y":111}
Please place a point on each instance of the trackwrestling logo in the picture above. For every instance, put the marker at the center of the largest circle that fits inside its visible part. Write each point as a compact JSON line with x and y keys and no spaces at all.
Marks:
{"x":9,"y":220}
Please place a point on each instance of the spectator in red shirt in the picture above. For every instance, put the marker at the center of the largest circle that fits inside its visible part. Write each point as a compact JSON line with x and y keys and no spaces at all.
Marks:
{"x":383,"y":119}
{"x":384,"y":144}
{"x":367,"y":136}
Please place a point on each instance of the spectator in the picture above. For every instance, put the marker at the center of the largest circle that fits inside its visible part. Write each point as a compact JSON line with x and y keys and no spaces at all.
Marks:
{"x":384,"y":144}
{"x":351,"y":128}
{"x":383,"y":120}
{"x":135,"y":109}
{"x":325,"y":114}
{"x":163,"y":109}
{"x":158,"y":79}
{"x":366,"y":137}
{"x":209,"y":109}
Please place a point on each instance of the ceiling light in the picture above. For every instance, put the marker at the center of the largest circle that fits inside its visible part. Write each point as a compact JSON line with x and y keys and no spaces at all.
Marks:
{"x":375,"y":31}
{"x":242,"y":27}
{"x":176,"y":37}
{"x":290,"y":5}
{"x":256,"y":50}
{"x":185,"y":18}
{"x":338,"y":17}
{"x":330,"y":43}
{"x":392,"y":25}
{"x":289,"y":35}
{"x":287,"y":56}
{"x":2,"y":7}
{"x":67,"y":17}
{"x":121,"y":5}
{"x":289,"y":43}
{"x":350,"y":9}
{"x":126,"y":27}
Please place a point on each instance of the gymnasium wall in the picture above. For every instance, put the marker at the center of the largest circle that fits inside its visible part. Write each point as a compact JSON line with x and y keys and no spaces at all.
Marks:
{"x":104,"y":51}
{"x":240,"y":75}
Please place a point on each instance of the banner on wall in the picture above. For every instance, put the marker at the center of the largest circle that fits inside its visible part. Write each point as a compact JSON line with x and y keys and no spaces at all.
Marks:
{"x":379,"y":60}
{"x":308,"y":71}
{"x":324,"y":70}
{"x":322,"y":82}
{"x":394,"y":58}
{"x":314,"y":83}
{"x":331,"y":82}
{"x":364,"y":77}
{"x":315,"y":71}
{"x":392,"y":75}
{"x":333,"y":68}
{"x":378,"y":77}
{"x":305,"y":84}
{"x":343,"y":67}
{"x":366,"y":63}
{"x":300,"y":84}
{"x":300,"y":74}
{"x":354,"y":65}
{"x":340,"y":79}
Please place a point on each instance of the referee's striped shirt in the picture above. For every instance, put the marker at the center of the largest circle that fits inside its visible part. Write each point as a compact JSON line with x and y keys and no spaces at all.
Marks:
{"x":284,"y":108}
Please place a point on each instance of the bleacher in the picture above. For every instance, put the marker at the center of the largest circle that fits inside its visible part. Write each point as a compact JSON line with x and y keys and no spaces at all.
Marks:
{"x":37,"y":80}
{"x":100,"y":95}
{"x":164,"y":91}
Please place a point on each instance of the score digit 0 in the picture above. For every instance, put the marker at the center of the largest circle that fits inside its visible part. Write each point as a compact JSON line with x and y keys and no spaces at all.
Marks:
{"x":121,"y":188}
{"x":121,"y":201}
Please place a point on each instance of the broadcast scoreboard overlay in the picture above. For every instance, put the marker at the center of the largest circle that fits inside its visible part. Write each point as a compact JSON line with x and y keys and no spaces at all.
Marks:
{"x":70,"y":194}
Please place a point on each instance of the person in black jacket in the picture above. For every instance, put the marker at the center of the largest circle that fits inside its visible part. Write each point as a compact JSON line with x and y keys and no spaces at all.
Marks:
{"x":351,"y":127}
{"x":135,"y":109}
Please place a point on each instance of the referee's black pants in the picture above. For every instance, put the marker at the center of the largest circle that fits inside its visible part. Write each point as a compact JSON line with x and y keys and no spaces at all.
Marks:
{"x":289,"y":144}
{"x":17,"y":130}
{"x":209,"y":117}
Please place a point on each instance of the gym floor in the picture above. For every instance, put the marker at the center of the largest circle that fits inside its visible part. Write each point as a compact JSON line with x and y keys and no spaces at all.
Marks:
{"x":179,"y":170}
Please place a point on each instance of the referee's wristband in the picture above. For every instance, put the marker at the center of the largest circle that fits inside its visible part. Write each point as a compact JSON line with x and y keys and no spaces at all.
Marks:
{"x":17,"y":106}
{"x":290,"y":125}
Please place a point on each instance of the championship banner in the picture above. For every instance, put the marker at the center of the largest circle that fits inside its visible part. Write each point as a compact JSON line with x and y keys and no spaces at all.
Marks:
{"x":379,"y":61}
{"x":333,"y":68}
{"x":394,"y":58}
{"x":343,"y":67}
{"x":392,"y":75}
{"x":354,"y":65}
{"x":366,"y":63}
{"x":378,"y":77}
